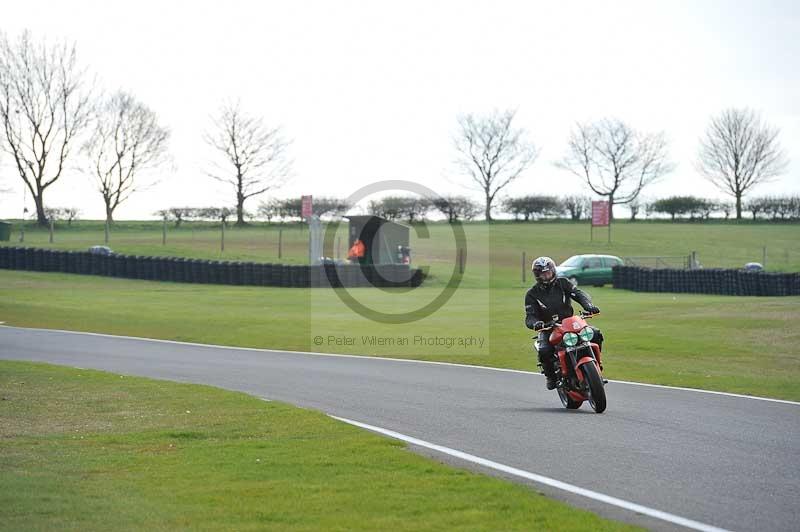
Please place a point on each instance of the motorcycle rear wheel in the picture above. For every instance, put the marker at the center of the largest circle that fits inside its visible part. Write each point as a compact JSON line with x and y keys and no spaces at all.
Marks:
{"x":568,"y":401}
{"x":597,"y":392}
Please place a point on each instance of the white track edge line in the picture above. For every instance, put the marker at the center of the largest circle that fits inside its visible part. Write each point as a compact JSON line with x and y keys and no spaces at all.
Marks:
{"x":387,"y":359}
{"x":607,"y":499}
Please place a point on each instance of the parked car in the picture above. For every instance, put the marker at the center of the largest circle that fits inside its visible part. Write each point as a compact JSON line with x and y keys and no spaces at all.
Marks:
{"x":589,"y":269}
{"x":100,"y":250}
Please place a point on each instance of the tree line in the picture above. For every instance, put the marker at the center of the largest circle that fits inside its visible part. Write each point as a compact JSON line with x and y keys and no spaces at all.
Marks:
{"x":279,"y":209}
{"x":51,"y":113}
{"x":577,"y":207}
{"x":399,"y":208}
{"x":412,"y":209}
{"x":771,"y":207}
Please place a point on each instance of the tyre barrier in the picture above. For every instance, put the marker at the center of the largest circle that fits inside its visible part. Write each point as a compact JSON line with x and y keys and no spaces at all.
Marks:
{"x":182,"y":270}
{"x":28,"y":260}
{"x":717,"y":281}
{"x":129,"y":263}
{"x":37,"y":260}
{"x":20,"y":260}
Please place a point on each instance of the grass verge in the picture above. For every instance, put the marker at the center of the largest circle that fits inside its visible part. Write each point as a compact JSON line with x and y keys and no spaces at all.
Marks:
{"x":88,"y":450}
{"x":735,"y":344}
{"x":494,"y":251}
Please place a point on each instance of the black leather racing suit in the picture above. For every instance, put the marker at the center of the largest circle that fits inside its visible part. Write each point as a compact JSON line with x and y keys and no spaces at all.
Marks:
{"x":554,"y":301}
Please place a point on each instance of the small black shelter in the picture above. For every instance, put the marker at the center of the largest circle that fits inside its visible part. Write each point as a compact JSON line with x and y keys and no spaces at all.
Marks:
{"x":386,"y":241}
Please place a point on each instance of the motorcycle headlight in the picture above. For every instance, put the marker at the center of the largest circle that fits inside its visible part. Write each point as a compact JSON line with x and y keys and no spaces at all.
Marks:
{"x":586,"y":334}
{"x":570,"y":339}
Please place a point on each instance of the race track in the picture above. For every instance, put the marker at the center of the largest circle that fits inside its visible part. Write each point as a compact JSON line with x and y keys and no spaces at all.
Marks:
{"x":714,"y":460}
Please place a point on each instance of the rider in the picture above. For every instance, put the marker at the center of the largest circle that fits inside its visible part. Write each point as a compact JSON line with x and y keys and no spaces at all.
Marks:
{"x":548,"y":300}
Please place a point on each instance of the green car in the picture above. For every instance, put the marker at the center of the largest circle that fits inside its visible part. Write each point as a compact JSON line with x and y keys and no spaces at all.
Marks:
{"x":589,"y":269}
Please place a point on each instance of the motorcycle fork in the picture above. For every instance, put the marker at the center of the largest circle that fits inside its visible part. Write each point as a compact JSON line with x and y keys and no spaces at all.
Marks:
{"x":575,"y":370}
{"x":565,"y":369}
{"x":573,"y":358}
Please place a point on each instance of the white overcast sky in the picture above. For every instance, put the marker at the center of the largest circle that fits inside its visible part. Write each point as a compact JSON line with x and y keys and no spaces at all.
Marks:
{"x":370,"y":90}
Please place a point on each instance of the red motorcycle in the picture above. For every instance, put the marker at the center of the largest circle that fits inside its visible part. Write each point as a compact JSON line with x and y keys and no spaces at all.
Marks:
{"x":579,"y":369}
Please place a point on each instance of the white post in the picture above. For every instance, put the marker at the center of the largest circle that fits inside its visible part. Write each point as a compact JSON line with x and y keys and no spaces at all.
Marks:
{"x":523,"y":268}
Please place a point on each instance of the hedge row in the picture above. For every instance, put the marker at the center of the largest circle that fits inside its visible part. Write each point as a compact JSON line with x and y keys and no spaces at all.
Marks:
{"x":208,"y":271}
{"x":706,"y":281}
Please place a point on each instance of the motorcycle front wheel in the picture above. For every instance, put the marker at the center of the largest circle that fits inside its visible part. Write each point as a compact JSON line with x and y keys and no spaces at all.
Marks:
{"x":597,"y":392}
{"x":568,"y":401}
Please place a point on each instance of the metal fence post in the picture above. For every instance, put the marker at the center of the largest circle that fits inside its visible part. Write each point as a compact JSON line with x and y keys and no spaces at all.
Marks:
{"x":523,"y":268}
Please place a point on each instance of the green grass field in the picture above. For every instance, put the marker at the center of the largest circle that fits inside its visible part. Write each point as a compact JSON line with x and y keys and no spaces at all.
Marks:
{"x":494,"y":252}
{"x":86,"y":450}
{"x":79,"y":446}
{"x":738,"y":344}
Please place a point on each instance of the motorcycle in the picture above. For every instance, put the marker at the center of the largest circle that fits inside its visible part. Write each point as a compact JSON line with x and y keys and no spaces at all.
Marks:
{"x":579,"y":367}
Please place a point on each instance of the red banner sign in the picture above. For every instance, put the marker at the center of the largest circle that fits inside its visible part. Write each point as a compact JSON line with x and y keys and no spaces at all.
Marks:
{"x":306,"y":209}
{"x":600,"y":213}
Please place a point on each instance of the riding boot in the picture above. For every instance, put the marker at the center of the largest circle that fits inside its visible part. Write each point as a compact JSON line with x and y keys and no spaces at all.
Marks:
{"x":548,"y":365}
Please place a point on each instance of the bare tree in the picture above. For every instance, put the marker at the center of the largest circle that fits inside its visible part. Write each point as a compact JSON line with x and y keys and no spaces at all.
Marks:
{"x":577,"y":206}
{"x":411,"y":208}
{"x":44,"y":105}
{"x":127,"y":141}
{"x":635,"y":206}
{"x":616,"y":161}
{"x":53,"y":213}
{"x":738,"y":152}
{"x":215,"y":213}
{"x":492,"y":152}
{"x":178,"y":214}
{"x":533,"y":206}
{"x":330,"y":206}
{"x":70,"y":213}
{"x":253,"y":156}
{"x":456,"y":207}
{"x":281,"y":208}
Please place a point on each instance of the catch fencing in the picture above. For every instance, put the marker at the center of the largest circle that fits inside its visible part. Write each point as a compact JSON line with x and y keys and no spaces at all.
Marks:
{"x":706,"y":281}
{"x":184,"y":270}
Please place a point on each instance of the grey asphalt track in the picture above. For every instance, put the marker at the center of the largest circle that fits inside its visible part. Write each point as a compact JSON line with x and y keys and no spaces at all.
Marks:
{"x":725,"y":461}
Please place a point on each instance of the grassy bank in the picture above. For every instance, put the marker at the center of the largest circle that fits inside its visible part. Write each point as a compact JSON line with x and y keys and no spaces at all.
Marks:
{"x":494,"y":251}
{"x":80,"y":448}
{"x":86,"y":450}
{"x":735,"y":344}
